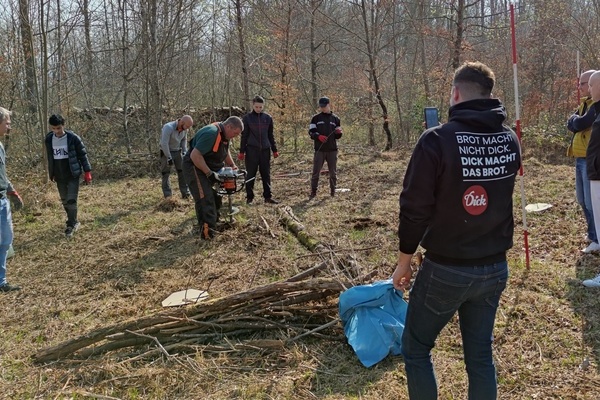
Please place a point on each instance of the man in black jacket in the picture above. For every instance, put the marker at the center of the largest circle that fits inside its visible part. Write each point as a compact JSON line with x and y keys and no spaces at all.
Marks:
{"x":256,"y":146}
{"x":456,"y":203}
{"x":67,"y":161}
{"x":324,"y":130}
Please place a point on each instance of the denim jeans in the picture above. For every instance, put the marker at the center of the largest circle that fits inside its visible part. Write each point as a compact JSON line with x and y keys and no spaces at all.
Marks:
{"x":582,"y":192}
{"x":6,"y":236}
{"x":438,"y":292}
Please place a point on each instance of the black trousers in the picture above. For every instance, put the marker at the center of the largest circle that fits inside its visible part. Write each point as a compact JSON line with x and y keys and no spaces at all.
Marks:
{"x":258,"y":160}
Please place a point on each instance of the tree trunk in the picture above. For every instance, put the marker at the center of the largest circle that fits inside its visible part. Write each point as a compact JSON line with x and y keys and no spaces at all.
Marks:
{"x":243,"y":61}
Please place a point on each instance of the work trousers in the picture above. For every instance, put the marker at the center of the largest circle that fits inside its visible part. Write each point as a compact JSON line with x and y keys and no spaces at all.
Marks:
{"x":206,"y":200}
{"x":166,"y":174}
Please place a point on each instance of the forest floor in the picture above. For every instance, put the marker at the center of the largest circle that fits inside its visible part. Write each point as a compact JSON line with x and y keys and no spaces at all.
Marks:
{"x":131,"y":253}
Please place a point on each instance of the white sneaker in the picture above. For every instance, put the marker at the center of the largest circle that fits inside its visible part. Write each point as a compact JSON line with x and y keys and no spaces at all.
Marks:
{"x":593,"y":247}
{"x":594,"y":282}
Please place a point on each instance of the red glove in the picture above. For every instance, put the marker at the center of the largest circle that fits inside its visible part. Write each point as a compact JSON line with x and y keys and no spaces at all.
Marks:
{"x":275,"y":154}
{"x":87,"y":177}
{"x":241,"y":156}
{"x":338,"y":131}
{"x":322,"y":138}
{"x":17,"y":200}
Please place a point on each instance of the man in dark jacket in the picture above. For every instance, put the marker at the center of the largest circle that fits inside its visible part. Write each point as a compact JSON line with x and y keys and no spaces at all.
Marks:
{"x":324,"y":130}
{"x":255,"y":148}
{"x":457,"y":203}
{"x":67,"y":161}
{"x":207,"y":154}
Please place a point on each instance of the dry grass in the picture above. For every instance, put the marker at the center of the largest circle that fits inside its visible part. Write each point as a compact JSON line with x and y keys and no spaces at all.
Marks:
{"x":134,"y":249}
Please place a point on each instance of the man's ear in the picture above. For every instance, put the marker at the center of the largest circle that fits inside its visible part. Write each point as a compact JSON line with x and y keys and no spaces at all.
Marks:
{"x":455,"y":94}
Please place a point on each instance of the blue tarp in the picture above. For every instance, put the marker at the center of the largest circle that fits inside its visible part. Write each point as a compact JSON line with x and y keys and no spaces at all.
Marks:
{"x":373,"y":317}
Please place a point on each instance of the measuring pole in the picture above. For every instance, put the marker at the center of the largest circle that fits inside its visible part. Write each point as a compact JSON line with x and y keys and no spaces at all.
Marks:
{"x":578,"y":79}
{"x":518,"y":125}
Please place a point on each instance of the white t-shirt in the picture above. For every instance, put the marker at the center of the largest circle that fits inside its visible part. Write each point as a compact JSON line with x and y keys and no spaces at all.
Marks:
{"x":60,"y":148}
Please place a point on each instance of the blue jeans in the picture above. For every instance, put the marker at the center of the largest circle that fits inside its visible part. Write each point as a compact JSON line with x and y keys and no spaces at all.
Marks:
{"x":6,"y":236}
{"x":582,"y":192}
{"x":438,"y":292}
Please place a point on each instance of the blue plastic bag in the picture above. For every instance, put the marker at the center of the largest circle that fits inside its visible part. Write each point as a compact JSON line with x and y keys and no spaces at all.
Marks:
{"x":373,"y":317}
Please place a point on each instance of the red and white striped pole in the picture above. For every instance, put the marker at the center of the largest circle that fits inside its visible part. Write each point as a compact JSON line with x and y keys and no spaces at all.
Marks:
{"x":518,"y":125}
{"x":578,"y":80}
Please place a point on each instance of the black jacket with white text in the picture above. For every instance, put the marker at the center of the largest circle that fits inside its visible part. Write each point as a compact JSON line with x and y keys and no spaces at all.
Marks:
{"x":457,"y":192}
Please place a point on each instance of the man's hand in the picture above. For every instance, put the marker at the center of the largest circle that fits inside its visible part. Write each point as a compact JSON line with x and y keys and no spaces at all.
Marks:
{"x":87,"y":177}
{"x":17,"y":200}
{"x":213,"y":177}
{"x":275,"y":154}
{"x":322,"y":138}
{"x":403,"y":273}
{"x":241,"y":156}
{"x":170,"y":161}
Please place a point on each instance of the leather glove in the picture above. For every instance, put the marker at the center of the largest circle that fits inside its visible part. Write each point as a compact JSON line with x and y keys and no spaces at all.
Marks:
{"x":17,"y":200}
{"x":322,"y":138}
{"x":275,"y":154}
{"x":87,"y":177}
{"x":213,"y":177}
{"x":170,"y":161}
{"x":241,"y":156}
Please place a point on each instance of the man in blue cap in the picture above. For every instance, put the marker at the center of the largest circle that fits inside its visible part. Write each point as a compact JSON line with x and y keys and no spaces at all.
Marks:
{"x":324,"y":130}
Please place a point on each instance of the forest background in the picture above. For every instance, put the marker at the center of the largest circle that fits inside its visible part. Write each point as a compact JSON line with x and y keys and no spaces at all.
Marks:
{"x":119,"y":69}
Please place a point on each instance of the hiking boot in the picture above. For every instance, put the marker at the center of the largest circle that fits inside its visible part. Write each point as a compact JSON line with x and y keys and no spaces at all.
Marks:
{"x":7,"y":287}
{"x":312,"y":195}
{"x":332,"y":194}
{"x":72,"y":229}
{"x":206,"y":232}
{"x":249,"y":201}
{"x":271,"y":200}
{"x":593,"y":247}
{"x":594,"y":282}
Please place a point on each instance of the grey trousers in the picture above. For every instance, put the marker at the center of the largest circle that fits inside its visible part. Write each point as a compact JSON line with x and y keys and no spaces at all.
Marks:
{"x":166,"y":174}
{"x":318,"y":161}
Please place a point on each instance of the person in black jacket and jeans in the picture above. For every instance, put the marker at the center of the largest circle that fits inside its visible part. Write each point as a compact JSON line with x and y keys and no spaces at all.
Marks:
{"x":67,"y":161}
{"x":324,"y":130}
{"x":255,"y":148}
{"x":457,"y":203}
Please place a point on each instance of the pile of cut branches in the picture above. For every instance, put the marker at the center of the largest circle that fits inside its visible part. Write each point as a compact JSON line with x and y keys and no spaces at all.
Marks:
{"x":285,"y":310}
{"x":285,"y":306}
